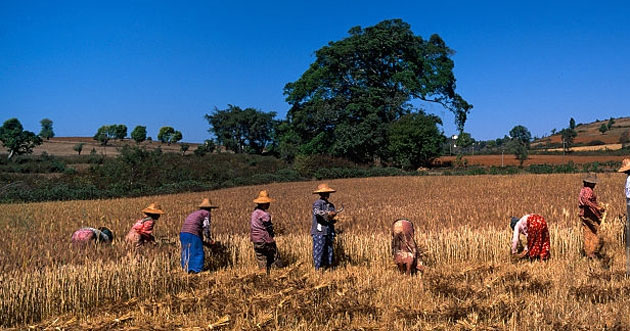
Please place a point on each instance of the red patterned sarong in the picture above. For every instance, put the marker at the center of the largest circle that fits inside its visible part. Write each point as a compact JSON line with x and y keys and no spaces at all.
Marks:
{"x":537,"y":237}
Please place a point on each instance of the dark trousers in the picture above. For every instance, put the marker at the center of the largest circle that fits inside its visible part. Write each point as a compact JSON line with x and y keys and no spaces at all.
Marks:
{"x":267,"y":255}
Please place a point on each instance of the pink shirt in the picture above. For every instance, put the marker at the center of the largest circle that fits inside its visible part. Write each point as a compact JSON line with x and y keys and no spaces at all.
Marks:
{"x":198,"y":223}
{"x":519,"y":228}
{"x":144,"y":227}
{"x":259,"y":223}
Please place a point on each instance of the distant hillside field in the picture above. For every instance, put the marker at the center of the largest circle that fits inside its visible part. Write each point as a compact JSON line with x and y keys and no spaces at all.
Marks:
{"x":63,"y":146}
{"x":587,"y":133}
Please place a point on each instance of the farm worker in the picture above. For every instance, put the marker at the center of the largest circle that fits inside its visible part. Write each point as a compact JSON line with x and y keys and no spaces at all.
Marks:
{"x":534,"y":228}
{"x":261,"y":234}
{"x":406,"y":252}
{"x":86,"y":235}
{"x":590,"y":216}
{"x":195,"y":227}
{"x":142,"y":230}
{"x":323,"y":228}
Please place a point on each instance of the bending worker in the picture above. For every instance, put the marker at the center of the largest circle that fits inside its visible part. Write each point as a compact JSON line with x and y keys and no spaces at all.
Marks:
{"x":142,"y":230}
{"x":407,"y":254}
{"x":86,"y":235}
{"x":196,"y":226}
{"x":323,"y":228}
{"x":534,"y":228}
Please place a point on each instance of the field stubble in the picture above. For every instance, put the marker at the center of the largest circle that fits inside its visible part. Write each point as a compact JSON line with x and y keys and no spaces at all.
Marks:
{"x":471,"y":283}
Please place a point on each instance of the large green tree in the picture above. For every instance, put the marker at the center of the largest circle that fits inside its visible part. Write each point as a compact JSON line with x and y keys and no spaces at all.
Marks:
{"x":17,"y":140}
{"x":415,"y":140}
{"x":359,"y":84}
{"x":242,"y":130}
{"x":47,"y":129}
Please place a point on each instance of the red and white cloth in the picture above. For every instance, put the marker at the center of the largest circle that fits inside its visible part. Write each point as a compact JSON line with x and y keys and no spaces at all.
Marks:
{"x":534,"y":228}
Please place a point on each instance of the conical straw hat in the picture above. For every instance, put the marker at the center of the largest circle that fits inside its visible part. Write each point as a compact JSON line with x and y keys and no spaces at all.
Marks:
{"x":263,"y":197}
{"x":207,"y":204}
{"x":625,"y":165}
{"x":153,"y":208}
{"x":591,"y":178}
{"x":323,"y":188}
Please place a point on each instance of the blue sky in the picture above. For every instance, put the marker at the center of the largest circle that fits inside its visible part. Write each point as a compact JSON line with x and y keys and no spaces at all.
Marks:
{"x":84,"y":64}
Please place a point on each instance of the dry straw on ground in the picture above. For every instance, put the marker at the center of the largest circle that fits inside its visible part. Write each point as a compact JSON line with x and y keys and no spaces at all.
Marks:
{"x":471,"y":282}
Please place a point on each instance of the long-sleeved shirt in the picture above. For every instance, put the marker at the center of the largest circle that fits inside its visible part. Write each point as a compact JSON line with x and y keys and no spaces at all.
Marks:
{"x":144,"y":227}
{"x":198,"y":223}
{"x":261,"y":228}
{"x":322,"y":224}
{"x":627,"y":190}
{"x":588,"y":203}
{"x":519,"y":228}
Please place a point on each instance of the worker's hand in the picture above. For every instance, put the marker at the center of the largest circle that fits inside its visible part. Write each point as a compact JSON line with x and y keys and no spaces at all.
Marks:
{"x":602,"y":209}
{"x":332,"y":214}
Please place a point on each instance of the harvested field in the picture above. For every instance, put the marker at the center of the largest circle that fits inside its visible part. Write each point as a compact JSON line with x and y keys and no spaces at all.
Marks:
{"x":471,"y":282}
{"x":510,"y":160}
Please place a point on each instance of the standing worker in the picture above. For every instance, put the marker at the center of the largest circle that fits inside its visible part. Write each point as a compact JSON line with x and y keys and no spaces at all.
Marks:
{"x":323,"y":228}
{"x":195,"y":228}
{"x":142,"y":230}
{"x":534,"y":228}
{"x":262,"y":235}
{"x":590,"y":216}
{"x":625,"y":167}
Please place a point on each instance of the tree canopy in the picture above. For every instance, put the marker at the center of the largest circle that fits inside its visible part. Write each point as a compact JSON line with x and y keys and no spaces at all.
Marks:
{"x":169,"y":135}
{"x":16,"y":140}
{"x":343,"y":103}
{"x":47,"y":129}
{"x":521,"y":138}
{"x":139,"y":134}
{"x":415,"y":140}
{"x":242,"y":130}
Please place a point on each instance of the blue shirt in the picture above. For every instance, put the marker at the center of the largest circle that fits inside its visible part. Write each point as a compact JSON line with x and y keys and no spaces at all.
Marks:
{"x":322,"y":223}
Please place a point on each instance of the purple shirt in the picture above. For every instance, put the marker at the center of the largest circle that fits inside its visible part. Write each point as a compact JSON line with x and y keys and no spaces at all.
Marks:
{"x":198,"y":223}
{"x":259,"y":225}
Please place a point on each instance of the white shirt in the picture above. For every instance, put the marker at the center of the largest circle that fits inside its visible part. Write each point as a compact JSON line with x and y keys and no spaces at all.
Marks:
{"x":628,"y":187}
{"x":519,"y":228}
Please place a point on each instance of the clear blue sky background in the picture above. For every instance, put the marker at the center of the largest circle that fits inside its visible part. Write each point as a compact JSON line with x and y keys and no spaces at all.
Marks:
{"x":84,"y":64}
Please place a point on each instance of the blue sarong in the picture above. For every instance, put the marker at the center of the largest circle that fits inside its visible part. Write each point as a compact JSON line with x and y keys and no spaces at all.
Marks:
{"x":192,"y":252}
{"x":323,"y":254}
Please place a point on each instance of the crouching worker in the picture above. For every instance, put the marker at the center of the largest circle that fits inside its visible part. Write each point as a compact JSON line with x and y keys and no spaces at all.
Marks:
{"x":142,"y":231}
{"x":262,"y":235}
{"x":84,"y":236}
{"x":195,"y":228}
{"x":534,"y":228}
{"x":407,"y":253}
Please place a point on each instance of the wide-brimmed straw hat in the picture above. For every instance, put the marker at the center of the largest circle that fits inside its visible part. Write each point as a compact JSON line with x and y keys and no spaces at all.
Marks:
{"x":625,"y":165}
{"x":207,"y":204}
{"x":591,"y":178}
{"x":263,"y":197}
{"x":323,"y":188}
{"x":153,"y":208}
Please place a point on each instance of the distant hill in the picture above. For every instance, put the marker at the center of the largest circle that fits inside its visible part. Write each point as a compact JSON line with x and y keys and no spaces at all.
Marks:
{"x":63,"y":146}
{"x":588,"y":135}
